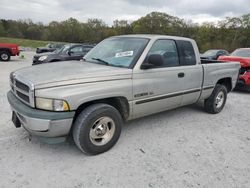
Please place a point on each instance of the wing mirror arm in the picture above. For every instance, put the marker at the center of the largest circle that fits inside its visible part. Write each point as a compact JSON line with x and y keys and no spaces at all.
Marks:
{"x":145,"y":66}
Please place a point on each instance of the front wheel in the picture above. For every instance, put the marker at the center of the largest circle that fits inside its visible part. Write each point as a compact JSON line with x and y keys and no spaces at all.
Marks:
{"x":216,"y":102}
{"x":97,"y":128}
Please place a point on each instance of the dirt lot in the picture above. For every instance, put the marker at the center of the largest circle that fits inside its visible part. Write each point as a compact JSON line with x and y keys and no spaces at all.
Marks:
{"x":181,"y":148}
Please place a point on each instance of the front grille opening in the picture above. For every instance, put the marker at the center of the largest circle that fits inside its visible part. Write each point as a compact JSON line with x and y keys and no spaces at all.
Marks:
{"x":22,"y":86}
{"x":23,"y":97}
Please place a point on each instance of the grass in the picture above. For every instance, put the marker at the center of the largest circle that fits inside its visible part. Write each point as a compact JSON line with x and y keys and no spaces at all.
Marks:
{"x":24,"y":42}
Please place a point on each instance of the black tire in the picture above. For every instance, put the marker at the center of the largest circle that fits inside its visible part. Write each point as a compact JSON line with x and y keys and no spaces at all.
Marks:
{"x":211,"y":104}
{"x":4,"y":56}
{"x":85,"y":122}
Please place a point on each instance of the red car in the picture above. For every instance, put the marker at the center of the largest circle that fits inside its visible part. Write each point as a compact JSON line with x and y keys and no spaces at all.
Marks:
{"x":241,"y":55}
{"x":7,"y":50}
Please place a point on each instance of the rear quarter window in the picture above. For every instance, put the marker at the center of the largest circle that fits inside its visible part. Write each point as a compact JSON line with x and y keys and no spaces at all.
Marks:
{"x":186,"y":53}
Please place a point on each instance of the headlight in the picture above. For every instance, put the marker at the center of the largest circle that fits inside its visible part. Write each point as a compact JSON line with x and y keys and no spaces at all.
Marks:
{"x":42,"y":58}
{"x":51,"y":104}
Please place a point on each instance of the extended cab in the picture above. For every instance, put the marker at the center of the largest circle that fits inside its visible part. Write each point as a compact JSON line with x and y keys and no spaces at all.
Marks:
{"x":7,"y":50}
{"x":122,"y":78}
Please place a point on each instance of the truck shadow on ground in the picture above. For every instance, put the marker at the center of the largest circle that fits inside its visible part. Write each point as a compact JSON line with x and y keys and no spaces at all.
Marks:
{"x":130,"y":128}
{"x":243,"y":92}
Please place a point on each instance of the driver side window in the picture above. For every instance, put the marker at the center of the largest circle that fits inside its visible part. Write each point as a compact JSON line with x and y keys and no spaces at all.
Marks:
{"x":76,"y":50}
{"x":168,"y":50}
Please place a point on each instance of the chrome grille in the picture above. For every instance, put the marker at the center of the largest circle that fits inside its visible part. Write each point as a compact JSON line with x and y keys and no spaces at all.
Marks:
{"x":22,"y":86}
{"x":22,"y":89}
{"x":23,"y":96}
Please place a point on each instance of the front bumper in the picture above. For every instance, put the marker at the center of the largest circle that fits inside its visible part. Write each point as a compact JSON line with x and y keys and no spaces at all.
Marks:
{"x":244,"y":82}
{"x":36,"y":61}
{"x":39,"y":122}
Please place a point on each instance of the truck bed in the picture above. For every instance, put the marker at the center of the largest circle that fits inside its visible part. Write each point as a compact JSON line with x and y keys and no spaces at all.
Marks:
{"x":208,"y":61}
{"x":213,"y":71}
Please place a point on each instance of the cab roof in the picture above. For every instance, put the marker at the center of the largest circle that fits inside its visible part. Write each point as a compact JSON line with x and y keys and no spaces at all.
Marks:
{"x":154,"y":36}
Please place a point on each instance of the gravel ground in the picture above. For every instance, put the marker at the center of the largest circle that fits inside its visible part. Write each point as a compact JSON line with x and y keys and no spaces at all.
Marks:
{"x":185,"y":147}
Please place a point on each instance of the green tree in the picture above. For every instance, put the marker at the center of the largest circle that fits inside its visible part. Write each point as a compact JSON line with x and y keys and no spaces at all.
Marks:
{"x":229,"y":33}
{"x":2,"y":30}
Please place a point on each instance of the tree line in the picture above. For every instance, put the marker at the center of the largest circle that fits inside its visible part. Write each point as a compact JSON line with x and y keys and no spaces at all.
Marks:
{"x":229,"y":33}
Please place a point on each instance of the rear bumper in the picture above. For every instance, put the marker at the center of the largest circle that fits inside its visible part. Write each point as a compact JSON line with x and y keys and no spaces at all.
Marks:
{"x":15,"y":52}
{"x":39,"y":122}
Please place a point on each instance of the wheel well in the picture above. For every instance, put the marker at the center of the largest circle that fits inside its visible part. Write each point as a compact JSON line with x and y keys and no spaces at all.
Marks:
{"x":227,"y":82}
{"x":120,"y":103}
{"x":5,"y":50}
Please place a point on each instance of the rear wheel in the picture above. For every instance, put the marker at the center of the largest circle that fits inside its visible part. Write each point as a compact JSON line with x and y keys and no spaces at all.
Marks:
{"x":97,"y":128}
{"x":4,"y":56}
{"x":216,"y":102}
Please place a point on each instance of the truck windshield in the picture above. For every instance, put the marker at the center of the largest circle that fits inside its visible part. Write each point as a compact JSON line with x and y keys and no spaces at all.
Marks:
{"x":118,"y":51}
{"x":241,"y":53}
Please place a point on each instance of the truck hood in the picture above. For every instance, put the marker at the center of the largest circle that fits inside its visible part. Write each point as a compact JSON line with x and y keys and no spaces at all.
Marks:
{"x":43,"y":54}
{"x":70,"y":72}
{"x":244,"y":61}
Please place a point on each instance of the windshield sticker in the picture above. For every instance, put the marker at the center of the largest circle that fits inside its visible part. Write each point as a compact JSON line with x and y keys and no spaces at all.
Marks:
{"x":124,"y":54}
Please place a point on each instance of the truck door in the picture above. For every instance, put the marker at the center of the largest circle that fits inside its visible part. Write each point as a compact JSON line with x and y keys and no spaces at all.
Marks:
{"x":191,"y":71}
{"x":76,"y":53}
{"x":158,"y":88}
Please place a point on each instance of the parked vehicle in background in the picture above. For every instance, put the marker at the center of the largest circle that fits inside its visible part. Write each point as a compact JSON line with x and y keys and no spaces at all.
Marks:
{"x":51,"y":47}
{"x":213,"y":54}
{"x":122,"y":78}
{"x":66,"y":53}
{"x":241,"y":55}
{"x":7,"y":50}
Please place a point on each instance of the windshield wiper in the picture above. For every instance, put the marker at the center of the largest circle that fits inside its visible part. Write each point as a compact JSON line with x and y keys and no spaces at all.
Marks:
{"x":107,"y":63}
{"x":101,"y":60}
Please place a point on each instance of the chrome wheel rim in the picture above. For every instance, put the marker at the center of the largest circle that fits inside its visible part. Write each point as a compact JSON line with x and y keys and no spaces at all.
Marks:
{"x":4,"y":56}
{"x":102,"y":131}
{"x":219,"y":99}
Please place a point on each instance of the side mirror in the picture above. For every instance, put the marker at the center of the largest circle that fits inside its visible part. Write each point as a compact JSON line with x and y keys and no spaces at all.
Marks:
{"x":153,"y":60}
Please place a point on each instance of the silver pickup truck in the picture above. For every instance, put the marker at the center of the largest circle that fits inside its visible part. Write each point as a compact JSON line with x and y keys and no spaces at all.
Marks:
{"x":122,"y":78}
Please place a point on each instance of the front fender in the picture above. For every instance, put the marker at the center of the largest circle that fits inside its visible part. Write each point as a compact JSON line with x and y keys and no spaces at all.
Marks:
{"x":78,"y":94}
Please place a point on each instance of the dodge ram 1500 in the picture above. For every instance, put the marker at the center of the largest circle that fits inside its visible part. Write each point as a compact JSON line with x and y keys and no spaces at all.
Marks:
{"x":120,"y":79}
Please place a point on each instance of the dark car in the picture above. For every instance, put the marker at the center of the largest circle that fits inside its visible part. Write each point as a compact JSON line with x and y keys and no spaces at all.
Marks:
{"x":214,"y":54}
{"x":66,"y":53}
{"x":51,"y":47}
